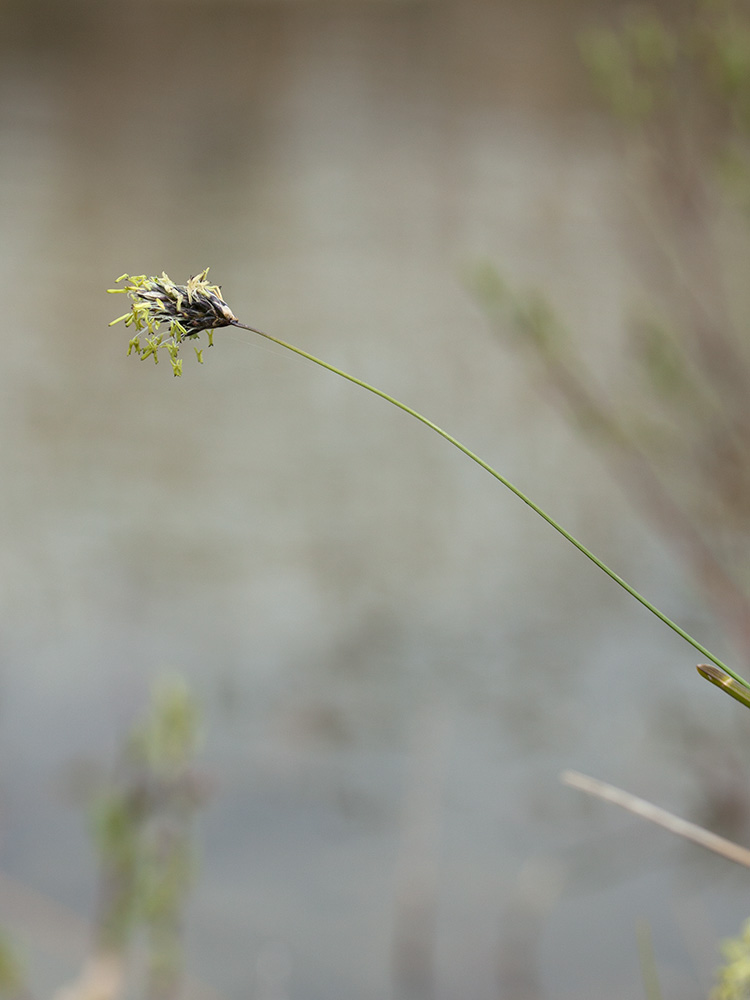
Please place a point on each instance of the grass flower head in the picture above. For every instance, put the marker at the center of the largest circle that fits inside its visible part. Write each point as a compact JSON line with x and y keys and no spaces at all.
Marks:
{"x":186,"y":310}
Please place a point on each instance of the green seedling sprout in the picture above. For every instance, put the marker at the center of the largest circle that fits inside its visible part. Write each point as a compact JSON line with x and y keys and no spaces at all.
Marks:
{"x":188,"y":310}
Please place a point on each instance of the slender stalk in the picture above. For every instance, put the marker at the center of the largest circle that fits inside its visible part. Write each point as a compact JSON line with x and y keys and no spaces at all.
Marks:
{"x":514,"y":489}
{"x":667,"y":820}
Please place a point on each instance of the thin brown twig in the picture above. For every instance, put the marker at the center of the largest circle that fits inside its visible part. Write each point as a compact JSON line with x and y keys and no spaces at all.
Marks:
{"x":655,"y":814}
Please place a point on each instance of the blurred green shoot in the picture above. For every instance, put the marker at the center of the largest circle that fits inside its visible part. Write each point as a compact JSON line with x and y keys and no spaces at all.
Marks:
{"x":649,"y":972}
{"x":158,"y":300}
{"x":632,"y":68}
{"x":142,"y":825}
{"x":12,"y":976}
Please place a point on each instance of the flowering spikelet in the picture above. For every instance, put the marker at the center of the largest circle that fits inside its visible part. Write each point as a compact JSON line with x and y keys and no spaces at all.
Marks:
{"x":185,"y":309}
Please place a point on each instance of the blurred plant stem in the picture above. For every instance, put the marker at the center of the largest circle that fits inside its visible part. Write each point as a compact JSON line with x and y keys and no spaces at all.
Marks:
{"x":142,"y":825}
{"x":12,"y":975}
{"x":649,"y":972}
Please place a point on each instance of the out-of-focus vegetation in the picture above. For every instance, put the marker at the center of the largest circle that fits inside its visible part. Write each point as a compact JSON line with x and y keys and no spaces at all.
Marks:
{"x":734,"y":977}
{"x":674,"y":415}
{"x":12,"y":973}
{"x":142,"y":819}
{"x":142,"y":830}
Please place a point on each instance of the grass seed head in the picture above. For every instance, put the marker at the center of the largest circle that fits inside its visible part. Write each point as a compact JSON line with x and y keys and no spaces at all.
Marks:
{"x":186,"y":310}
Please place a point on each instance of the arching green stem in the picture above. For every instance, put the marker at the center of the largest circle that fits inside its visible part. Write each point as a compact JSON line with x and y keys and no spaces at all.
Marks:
{"x":514,"y":489}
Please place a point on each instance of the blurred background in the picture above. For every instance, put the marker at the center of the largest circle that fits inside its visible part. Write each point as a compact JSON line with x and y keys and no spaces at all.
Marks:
{"x":393,"y":657}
